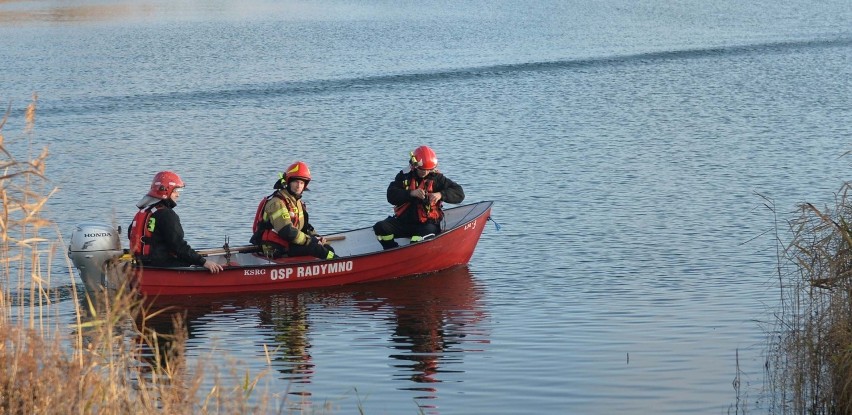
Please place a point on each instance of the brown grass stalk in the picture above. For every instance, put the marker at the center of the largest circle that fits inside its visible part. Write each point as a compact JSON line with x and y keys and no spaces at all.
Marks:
{"x":109,"y":361}
{"x":809,"y":360}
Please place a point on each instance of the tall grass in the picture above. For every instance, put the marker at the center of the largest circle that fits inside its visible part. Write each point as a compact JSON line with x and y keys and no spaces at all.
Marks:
{"x":809,"y":360}
{"x":107,"y":360}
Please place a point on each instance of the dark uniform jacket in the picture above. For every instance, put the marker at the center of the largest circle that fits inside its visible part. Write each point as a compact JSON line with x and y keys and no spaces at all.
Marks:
{"x":398,"y":193}
{"x":168,"y":247}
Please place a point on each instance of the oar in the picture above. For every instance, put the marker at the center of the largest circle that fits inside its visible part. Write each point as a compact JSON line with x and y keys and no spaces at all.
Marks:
{"x":253,"y":248}
{"x":214,"y":251}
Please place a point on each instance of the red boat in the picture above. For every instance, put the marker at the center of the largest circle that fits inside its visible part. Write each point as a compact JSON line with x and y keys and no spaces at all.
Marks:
{"x":362,"y":259}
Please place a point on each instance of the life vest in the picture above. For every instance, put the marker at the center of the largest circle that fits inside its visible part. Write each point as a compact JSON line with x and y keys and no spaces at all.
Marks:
{"x":141,"y":230}
{"x":262,"y":229}
{"x":424,"y":212}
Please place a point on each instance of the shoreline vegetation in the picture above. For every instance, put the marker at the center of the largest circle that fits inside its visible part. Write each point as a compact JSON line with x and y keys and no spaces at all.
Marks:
{"x":108,"y":360}
{"x":809,"y":354}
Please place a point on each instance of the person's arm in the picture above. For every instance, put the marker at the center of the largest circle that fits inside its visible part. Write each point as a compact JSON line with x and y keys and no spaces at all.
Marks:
{"x":451,"y":192}
{"x":397,"y":193}
{"x":173,"y":237}
{"x":279,"y":216}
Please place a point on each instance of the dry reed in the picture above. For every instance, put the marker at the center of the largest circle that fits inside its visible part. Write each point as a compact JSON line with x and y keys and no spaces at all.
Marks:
{"x":809,"y":359}
{"x":109,"y":361}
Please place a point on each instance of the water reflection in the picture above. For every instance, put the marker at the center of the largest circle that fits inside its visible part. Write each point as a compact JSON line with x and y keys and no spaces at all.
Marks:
{"x":288,"y":318}
{"x":432,"y":322}
{"x":435,"y":321}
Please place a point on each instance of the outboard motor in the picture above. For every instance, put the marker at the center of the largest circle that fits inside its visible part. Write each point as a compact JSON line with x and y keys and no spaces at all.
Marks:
{"x":92,"y":245}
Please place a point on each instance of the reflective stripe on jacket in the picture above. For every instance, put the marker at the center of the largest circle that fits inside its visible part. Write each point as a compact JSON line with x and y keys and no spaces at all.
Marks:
{"x":293,"y":211}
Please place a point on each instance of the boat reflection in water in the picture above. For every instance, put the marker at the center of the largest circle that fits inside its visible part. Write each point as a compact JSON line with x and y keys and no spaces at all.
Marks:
{"x":428,"y":323}
{"x":436,"y":321}
{"x":287,"y":317}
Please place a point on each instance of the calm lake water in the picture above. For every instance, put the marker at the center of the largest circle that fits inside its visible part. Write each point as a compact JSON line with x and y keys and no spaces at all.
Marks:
{"x":627,"y":146}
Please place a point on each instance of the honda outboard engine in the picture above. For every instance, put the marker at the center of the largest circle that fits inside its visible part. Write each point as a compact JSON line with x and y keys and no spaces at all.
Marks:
{"x":92,"y":245}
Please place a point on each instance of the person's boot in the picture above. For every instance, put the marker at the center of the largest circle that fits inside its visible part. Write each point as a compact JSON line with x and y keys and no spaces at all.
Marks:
{"x":389,"y":244}
{"x":418,"y":238}
{"x":387,"y":241}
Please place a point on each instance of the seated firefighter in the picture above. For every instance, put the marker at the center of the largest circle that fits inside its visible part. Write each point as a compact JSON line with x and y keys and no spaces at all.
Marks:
{"x":281,"y":225}
{"x":418,"y":194}
{"x":156,"y":234}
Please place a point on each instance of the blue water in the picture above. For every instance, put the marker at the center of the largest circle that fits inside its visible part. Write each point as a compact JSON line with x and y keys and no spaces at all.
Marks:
{"x":630,"y":148}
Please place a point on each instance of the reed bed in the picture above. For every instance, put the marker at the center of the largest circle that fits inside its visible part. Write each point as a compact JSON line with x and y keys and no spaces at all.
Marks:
{"x":108,"y":360}
{"x":809,"y":359}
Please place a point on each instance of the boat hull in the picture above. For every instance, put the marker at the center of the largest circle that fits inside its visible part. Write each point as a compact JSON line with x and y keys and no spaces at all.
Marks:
{"x":363,"y":260}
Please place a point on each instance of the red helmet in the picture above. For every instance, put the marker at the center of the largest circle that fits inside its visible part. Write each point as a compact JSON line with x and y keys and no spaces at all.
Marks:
{"x":164,"y":183}
{"x":298,"y":170}
{"x":424,"y":157}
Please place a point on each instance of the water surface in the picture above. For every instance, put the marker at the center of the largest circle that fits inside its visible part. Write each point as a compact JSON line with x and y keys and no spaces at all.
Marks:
{"x":630,"y":149}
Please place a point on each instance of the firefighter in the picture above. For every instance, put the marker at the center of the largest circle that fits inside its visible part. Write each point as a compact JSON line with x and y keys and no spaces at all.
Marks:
{"x":156,"y":235}
{"x":281,"y":226}
{"x":418,"y":194}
